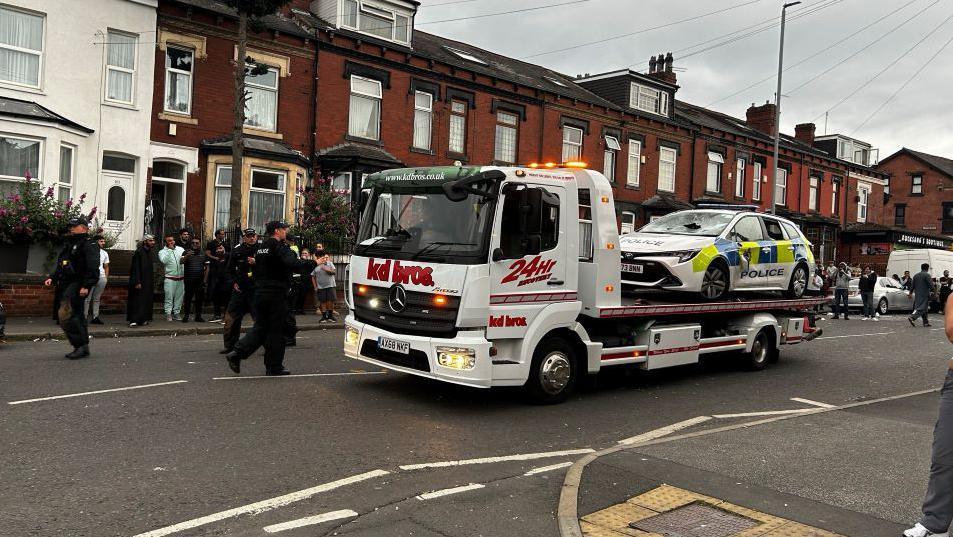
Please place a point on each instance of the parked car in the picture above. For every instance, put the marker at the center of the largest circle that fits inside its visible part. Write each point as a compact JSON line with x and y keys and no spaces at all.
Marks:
{"x":888,"y":296}
{"x":717,"y":251}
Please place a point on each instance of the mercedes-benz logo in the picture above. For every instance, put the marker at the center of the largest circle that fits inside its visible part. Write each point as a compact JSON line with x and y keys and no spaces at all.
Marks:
{"x":397,"y":299}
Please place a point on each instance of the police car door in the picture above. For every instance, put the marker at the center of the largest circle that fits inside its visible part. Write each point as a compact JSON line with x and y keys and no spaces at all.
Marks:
{"x":782,"y":253}
{"x":748,"y":234}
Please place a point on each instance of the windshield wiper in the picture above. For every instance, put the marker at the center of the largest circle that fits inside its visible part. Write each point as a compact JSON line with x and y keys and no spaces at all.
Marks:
{"x":433,"y":245}
{"x":397,"y":232}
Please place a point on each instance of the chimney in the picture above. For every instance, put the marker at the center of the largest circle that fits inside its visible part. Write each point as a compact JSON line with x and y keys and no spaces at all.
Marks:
{"x":805,"y":133}
{"x":762,"y":117}
{"x":660,"y":67}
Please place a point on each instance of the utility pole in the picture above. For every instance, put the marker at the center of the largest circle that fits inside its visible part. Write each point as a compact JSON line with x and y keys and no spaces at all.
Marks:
{"x":777,"y":112}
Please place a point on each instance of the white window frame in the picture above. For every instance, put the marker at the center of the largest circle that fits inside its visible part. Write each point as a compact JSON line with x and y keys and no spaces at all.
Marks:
{"x":835,"y":192}
{"x":610,"y":156}
{"x":716,"y":162}
{"x":623,"y":225}
{"x":66,"y":185}
{"x":383,"y":12}
{"x":669,"y":183}
{"x":814,"y":189}
{"x":500,"y":125}
{"x":346,"y":192}
{"x":648,"y":99}
{"x":379,"y":97}
{"x":461,"y":117}
{"x":263,"y":87}
{"x":863,"y":199}
{"x":169,"y":69}
{"x":781,"y":187}
{"x":39,"y":166}
{"x":914,"y":185}
{"x":215,"y":188}
{"x":38,"y":53}
{"x":251,"y":188}
{"x":570,"y":146}
{"x":131,"y":72}
{"x":741,"y":165}
{"x":635,"y":163}
{"x":428,"y":110}
{"x":757,"y":176}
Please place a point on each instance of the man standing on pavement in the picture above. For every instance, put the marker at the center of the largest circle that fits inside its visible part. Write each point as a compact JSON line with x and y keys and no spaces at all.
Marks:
{"x":95,"y":296}
{"x":866,"y":287}
{"x":938,"y":504}
{"x":922,"y":287}
{"x":325,"y":285}
{"x":841,"y":286}
{"x":77,"y":272}
{"x":184,"y":239}
{"x":243,"y":289}
{"x":139,"y":293}
{"x":195,"y":271}
{"x":171,"y":259}
{"x":274,"y":265}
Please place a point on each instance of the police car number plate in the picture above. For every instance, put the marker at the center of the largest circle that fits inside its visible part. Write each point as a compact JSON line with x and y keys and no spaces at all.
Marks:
{"x":388,"y":344}
{"x":630,"y":267}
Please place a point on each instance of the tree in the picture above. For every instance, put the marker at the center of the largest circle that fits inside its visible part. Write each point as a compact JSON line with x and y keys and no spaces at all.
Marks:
{"x":249,"y":14}
{"x":326,"y":217}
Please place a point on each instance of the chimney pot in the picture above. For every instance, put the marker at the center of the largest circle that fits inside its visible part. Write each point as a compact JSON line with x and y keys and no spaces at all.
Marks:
{"x":669,"y":60}
{"x":652,"y":64}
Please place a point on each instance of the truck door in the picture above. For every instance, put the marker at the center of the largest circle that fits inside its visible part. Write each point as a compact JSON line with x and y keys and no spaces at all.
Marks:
{"x":529,"y":257}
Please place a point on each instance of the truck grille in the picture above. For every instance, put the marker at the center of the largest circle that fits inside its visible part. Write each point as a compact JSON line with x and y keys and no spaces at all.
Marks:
{"x":419,"y":318}
{"x":652,"y":272}
{"x":413,"y":360}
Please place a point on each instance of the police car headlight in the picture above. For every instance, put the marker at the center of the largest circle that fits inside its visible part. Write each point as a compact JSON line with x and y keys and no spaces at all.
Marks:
{"x":456,"y":357}
{"x":351,"y":337}
{"x":685,"y":255}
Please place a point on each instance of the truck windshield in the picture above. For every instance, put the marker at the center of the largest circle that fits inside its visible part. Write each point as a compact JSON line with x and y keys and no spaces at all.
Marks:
{"x":700,"y":223}
{"x":423,"y":224}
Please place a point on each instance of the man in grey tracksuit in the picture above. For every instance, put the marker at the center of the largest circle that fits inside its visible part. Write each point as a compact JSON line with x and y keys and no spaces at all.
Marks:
{"x":841,"y":286}
{"x":923,"y":287}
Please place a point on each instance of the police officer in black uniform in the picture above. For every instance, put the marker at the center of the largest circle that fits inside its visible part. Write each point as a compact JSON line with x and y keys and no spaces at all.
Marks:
{"x":243,"y":288}
{"x":76,"y":274}
{"x":275,"y":262}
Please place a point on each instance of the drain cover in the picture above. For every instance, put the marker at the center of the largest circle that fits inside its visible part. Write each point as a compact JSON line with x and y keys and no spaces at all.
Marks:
{"x":695,"y":520}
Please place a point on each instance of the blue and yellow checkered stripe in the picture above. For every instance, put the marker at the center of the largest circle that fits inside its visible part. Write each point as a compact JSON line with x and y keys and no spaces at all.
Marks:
{"x":777,"y":252}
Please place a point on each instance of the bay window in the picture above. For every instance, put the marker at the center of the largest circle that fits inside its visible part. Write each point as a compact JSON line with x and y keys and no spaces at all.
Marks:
{"x":364,"y":114}
{"x":715,"y":163}
{"x":21,"y":46}
{"x":19,"y":156}
{"x":64,"y":183}
{"x":458,"y":127}
{"x":666,"y":169}
{"x":178,"y":80}
{"x":261,"y":108}
{"x":266,"y":197}
{"x":635,"y":162}
{"x":423,"y":119}
{"x":120,"y":66}
{"x":507,"y":124}
{"x":223,"y":196}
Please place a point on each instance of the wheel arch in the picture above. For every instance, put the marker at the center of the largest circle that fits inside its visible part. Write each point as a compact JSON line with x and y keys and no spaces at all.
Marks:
{"x":575,"y":342}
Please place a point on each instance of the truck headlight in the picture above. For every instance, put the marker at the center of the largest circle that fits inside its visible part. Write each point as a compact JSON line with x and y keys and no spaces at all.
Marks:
{"x":456,"y":357}
{"x":351,"y":337}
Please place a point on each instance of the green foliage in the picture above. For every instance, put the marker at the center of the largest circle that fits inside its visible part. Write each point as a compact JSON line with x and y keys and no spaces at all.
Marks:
{"x":33,"y":215}
{"x":327,"y":218}
{"x":255,"y":8}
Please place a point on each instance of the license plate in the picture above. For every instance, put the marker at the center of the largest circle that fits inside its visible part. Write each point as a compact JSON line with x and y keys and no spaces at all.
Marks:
{"x":388,"y":344}
{"x":630,"y":267}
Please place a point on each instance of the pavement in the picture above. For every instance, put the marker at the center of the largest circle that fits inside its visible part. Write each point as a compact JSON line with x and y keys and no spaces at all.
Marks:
{"x":154,"y":436}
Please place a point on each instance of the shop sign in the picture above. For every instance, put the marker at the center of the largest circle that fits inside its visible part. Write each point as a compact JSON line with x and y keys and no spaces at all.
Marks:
{"x":921,"y":241}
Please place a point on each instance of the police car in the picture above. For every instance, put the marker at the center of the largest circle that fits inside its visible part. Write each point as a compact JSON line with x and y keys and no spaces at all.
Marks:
{"x":716,"y":251}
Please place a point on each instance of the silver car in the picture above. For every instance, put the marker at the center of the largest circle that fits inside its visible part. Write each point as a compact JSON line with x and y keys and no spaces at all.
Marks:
{"x":888,"y":295}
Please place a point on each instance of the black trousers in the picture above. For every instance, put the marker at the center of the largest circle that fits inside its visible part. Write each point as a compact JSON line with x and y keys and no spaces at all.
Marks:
{"x":219,"y":293}
{"x":239,"y":305}
{"x":72,"y":315}
{"x":194,"y":295}
{"x":271,"y":308}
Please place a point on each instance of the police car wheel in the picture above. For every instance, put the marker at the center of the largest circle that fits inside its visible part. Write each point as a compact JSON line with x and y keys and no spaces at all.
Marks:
{"x":882,"y":306}
{"x":762,"y":350}
{"x":798,"y":282}
{"x":554,"y":372}
{"x":715,"y":281}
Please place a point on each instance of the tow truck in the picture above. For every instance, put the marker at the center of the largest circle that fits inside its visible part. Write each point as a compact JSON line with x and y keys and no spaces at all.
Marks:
{"x":491,"y":276}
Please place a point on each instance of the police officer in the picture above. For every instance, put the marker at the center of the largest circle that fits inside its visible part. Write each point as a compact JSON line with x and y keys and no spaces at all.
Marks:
{"x":243,"y":288}
{"x":291,"y":326}
{"x":76,"y":274}
{"x":274,"y":265}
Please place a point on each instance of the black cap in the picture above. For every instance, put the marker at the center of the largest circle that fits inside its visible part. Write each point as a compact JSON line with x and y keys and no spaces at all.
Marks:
{"x":270,"y":227}
{"x":291,"y":238}
{"x":77,"y":221}
{"x":249,"y":232}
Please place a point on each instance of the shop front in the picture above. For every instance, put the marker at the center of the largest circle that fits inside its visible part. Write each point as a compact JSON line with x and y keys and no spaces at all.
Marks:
{"x":871,"y":244}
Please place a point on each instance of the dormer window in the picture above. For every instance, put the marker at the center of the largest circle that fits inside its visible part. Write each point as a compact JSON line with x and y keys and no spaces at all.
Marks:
{"x":377,"y":20}
{"x":463,"y":55}
{"x":648,"y":99}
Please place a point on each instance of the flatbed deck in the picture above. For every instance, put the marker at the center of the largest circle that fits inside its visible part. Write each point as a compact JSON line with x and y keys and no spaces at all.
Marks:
{"x":644,"y":307}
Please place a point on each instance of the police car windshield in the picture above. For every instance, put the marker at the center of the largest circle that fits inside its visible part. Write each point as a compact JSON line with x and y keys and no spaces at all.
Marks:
{"x":423,"y":224}
{"x":699,"y":223}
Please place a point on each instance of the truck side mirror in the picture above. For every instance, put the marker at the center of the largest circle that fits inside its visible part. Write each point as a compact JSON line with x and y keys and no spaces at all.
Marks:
{"x":498,"y":255}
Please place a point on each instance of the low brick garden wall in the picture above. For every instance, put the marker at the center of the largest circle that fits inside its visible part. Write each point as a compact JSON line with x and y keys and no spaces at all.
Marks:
{"x":24,"y":294}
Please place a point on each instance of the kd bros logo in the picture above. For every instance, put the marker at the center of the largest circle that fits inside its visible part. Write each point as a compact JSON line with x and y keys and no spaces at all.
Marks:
{"x":532,"y":271}
{"x":392,"y":271}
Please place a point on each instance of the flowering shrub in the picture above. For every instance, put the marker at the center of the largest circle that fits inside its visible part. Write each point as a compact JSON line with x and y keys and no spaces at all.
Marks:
{"x":33,"y":215}
{"x":326,"y":217}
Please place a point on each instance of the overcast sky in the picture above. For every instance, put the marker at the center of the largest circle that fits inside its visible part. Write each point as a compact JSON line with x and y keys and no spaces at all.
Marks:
{"x":919,"y":117}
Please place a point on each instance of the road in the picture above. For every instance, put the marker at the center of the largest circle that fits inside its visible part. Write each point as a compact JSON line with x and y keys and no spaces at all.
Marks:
{"x":186,"y":449}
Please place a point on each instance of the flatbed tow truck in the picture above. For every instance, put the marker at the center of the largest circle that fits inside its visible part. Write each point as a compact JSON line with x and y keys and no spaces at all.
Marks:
{"x":510,"y":276}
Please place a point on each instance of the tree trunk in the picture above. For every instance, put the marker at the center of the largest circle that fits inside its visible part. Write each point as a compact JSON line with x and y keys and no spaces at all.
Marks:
{"x":238,"y":141}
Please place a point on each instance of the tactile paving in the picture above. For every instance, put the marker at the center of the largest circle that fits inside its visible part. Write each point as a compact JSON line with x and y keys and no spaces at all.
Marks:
{"x":695,"y":520}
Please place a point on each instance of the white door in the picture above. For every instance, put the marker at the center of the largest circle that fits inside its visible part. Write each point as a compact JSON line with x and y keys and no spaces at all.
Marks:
{"x":116,"y":212}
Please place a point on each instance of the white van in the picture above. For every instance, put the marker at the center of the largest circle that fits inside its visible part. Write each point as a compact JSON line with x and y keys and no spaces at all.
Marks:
{"x":901,"y":260}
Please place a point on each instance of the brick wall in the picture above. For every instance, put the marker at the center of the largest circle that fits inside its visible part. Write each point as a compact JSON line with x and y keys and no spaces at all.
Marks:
{"x":23,"y":294}
{"x":924,"y":211}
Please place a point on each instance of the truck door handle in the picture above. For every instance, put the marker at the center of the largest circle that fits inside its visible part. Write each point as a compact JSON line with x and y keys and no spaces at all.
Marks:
{"x":554,"y":281}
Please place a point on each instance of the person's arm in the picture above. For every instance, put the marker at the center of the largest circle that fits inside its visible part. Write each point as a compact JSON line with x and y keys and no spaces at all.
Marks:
{"x":91,"y":275}
{"x":290,"y":260}
{"x":106,"y":266}
{"x":314,"y":281}
{"x":948,"y":320}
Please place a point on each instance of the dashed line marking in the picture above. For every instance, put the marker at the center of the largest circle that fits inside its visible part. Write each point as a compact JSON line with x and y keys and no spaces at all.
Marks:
{"x":549,"y":468}
{"x":351,"y":374}
{"x":264,"y":505}
{"x":766,"y":413}
{"x":448,"y":492}
{"x":504,"y":458}
{"x":812,"y":403}
{"x":111,"y":390}
{"x":664,"y":431}
{"x":310,"y":521}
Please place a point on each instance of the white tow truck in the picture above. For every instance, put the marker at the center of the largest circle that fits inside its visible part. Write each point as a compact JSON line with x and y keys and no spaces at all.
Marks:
{"x":510,"y":276}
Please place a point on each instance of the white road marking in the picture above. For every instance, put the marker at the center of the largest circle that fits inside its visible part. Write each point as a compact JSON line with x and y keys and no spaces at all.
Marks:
{"x":264,"y":505}
{"x":504,"y":458}
{"x":812,"y":403}
{"x":766,"y":413}
{"x":447,"y":492}
{"x":664,"y":431}
{"x":301,"y":375}
{"x":96,"y":392}
{"x":549,"y":468}
{"x":854,"y":335}
{"x":310,"y":520}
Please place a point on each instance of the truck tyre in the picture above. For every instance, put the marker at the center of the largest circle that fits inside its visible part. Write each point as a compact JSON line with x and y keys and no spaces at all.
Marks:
{"x":798,"y":282}
{"x":762,"y":352}
{"x":553,"y":373}
{"x":715,"y":282}
{"x":882,"y":306}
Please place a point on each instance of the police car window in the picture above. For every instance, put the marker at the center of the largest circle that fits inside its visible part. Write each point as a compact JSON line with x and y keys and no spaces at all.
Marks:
{"x":792,"y":230}
{"x":774,"y":229}
{"x":747,"y":229}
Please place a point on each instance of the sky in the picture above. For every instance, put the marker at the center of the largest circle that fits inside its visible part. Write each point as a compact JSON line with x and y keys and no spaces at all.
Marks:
{"x":834,"y":50}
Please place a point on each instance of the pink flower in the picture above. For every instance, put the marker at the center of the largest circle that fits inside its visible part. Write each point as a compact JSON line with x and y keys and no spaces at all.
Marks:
{"x":49,"y":192}
{"x":27,"y":176}
{"x":83,"y":197}
{"x":3,"y":212}
{"x":24,"y":219}
{"x":16,"y":198}
{"x":93,"y":212}
{"x":69,"y":203}
{"x":23,"y":207}
{"x":58,"y":214}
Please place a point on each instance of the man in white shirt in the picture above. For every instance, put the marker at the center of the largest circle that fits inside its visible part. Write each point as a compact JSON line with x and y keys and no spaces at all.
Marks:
{"x":96,"y":293}
{"x":174,"y":285}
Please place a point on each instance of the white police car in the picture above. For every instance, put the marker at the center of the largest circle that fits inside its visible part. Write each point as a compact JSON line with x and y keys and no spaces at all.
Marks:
{"x":715,"y":251}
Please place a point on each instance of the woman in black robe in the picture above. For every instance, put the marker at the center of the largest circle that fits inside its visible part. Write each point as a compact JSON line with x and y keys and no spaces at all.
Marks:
{"x":139,"y":307}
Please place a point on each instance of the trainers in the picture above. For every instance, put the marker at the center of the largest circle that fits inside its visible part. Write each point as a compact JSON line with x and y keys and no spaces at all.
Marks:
{"x":913,"y":324}
{"x":875,"y":318}
{"x":131,"y":325}
{"x":168,"y":318}
{"x":177,"y":317}
{"x":920,"y":531}
{"x":96,"y":320}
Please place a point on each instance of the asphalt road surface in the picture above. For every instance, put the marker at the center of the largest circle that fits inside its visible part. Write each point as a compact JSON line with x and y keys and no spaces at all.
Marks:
{"x":158,"y":438}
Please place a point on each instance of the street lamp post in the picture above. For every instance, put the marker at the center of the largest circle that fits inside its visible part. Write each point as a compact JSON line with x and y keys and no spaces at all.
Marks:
{"x":777,"y":111}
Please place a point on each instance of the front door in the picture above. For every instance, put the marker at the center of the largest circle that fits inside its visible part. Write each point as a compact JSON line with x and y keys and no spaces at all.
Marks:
{"x":748,"y":234}
{"x":118,"y":208}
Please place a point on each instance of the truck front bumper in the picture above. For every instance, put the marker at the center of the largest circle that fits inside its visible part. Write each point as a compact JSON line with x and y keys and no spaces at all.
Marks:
{"x":361,"y":342}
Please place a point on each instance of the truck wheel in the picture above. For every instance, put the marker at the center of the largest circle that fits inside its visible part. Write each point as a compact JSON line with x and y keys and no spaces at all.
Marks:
{"x":553,"y":374}
{"x":882,"y":306}
{"x":762,"y":351}
{"x":798,"y":282}
{"x":715,"y":282}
